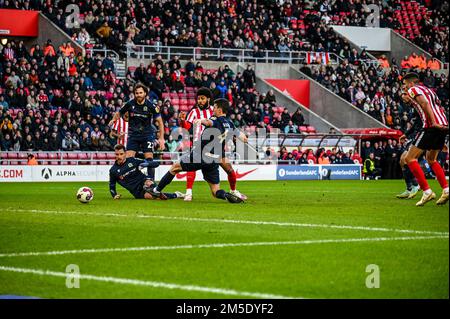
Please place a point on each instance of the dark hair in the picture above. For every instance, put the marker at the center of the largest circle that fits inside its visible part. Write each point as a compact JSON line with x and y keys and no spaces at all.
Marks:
{"x":411,"y":76}
{"x":119,"y":147}
{"x":139,"y":85}
{"x":204,"y":91}
{"x":223,"y":104}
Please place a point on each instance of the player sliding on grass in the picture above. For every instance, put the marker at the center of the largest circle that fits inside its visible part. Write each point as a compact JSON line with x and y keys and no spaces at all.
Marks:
{"x":207,"y":158}
{"x":127,"y":172}
{"x":431,"y":139}
{"x":141,"y":135}
{"x":203,"y":110}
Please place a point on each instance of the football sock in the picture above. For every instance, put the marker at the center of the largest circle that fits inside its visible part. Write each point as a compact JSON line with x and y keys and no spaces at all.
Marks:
{"x":220,"y":194}
{"x":232,"y":180}
{"x":190,"y":179}
{"x":170,"y":195}
{"x":440,"y":175}
{"x":410,"y":180}
{"x":419,"y":175}
{"x":166,"y":180}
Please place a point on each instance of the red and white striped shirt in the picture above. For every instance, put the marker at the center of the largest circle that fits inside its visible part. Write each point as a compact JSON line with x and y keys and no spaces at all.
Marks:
{"x":9,"y":53}
{"x":197,"y":113}
{"x":121,"y":126}
{"x":433,"y":101}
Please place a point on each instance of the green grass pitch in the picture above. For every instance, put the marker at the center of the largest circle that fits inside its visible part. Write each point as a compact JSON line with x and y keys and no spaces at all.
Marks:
{"x":299,"y":239}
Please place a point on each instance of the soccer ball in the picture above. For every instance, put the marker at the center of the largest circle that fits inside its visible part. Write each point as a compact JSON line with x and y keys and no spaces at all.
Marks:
{"x":85,"y":195}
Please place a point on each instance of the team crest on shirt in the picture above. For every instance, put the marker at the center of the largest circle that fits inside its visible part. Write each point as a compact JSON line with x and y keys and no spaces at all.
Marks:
{"x":157,"y":109}
{"x":145,"y":109}
{"x":130,"y":164}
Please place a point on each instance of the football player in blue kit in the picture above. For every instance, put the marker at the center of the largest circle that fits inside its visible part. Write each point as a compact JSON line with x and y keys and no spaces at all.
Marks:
{"x":141,"y":133}
{"x":127,"y":172}
{"x":210,"y":157}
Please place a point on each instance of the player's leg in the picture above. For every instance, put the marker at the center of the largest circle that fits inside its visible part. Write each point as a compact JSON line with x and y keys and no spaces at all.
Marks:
{"x":167,"y":195}
{"x":132,"y":147}
{"x":148,"y":146}
{"x":411,"y":183}
{"x":232,"y":178}
{"x":431,"y":158}
{"x":190,"y":179}
{"x":212,"y":176}
{"x":167,"y":179}
{"x":411,"y":159}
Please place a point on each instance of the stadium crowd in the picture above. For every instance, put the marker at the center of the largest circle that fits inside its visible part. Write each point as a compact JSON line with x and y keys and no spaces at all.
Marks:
{"x":255,"y":25}
{"x":375,"y":90}
{"x":54,"y":99}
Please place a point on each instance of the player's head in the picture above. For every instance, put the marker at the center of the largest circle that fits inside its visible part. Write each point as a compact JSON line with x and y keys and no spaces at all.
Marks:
{"x":140,"y":92}
{"x":119,"y":151}
{"x":221,"y":107}
{"x":203,"y":97}
{"x":410,"y":79}
{"x":126,"y":116}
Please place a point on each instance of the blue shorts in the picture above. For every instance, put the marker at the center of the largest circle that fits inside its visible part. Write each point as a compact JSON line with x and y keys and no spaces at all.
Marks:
{"x":145,"y":144}
{"x":210,"y":171}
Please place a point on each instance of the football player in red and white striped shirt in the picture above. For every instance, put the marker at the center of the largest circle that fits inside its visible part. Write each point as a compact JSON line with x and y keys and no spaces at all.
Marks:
{"x":120,"y":130}
{"x":203,"y":110}
{"x":430,"y":139}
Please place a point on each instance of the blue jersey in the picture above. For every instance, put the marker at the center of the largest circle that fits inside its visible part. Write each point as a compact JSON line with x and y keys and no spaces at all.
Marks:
{"x":140,"y":117}
{"x":128,"y":175}
{"x":225,"y":130}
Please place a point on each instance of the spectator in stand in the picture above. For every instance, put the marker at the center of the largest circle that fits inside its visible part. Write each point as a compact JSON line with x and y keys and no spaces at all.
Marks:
{"x":384,"y":62}
{"x":291,"y":128}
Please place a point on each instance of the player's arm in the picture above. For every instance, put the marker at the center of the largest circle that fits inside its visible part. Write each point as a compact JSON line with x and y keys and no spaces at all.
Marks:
{"x":204,"y":122}
{"x":425,"y":106}
{"x":115,"y":118}
{"x":119,"y":114}
{"x":112,"y":186}
{"x":243,"y":137}
{"x":184,"y":120}
{"x":161,"y":141}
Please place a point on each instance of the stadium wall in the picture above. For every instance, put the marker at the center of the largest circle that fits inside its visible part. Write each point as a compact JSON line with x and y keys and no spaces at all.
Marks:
{"x":49,"y":30}
{"x":100,"y":173}
{"x":335,"y":109}
{"x":321,"y":125}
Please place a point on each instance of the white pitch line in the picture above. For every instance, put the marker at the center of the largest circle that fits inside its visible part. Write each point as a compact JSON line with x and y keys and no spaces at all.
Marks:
{"x":218,"y":245}
{"x":154,"y":284}
{"x":232,"y":221}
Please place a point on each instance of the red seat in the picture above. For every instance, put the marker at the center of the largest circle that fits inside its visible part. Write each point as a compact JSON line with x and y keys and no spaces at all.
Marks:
{"x":183,"y":102}
{"x":311,"y":129}
{"x":54,"y":163}
{"x":14,"y":163}
{"x":41,"y":156}
{"x":52,"y":155}
{"x":100,"y":156}
{"x":11,"y":155}
{"x":22,"y":156}
{"x":102,"y":163}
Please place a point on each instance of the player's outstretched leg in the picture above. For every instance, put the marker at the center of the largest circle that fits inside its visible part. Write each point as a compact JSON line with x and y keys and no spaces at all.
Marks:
{"x":190,"y":179}
{"x":232,"y":178}
{"x":221,"y":194}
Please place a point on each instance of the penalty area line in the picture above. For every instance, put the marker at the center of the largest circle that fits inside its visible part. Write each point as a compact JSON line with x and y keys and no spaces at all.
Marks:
{"x":232,"y":221}
{"x":217,"y":245}
{"x":153,"y":284}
